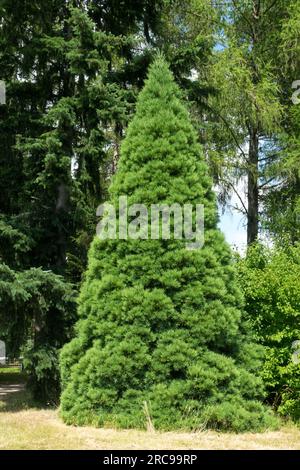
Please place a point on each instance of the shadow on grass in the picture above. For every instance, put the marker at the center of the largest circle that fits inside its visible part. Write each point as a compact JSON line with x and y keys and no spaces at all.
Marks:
{"x":14,"y":396}
{"x":10,"y":375}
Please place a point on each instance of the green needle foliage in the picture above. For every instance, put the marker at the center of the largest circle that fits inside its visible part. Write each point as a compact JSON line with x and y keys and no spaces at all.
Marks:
{"x":160,"y":337}
{"x":37,"y":312}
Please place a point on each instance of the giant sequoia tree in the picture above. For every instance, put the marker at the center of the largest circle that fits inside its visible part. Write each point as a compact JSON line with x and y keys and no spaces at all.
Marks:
{"x":160,"y":330}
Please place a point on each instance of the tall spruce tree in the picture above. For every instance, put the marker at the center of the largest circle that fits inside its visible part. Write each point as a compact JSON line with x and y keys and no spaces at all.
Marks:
{"x":160,"y":335}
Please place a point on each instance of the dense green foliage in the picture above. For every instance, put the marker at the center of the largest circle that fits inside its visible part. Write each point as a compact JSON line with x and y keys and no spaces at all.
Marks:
{"x":71,"y":76}
{"x":282,"y":202}
{"x":270,"y":282}
{"x":160,"y":325}
{"x":36,"y":320}
{"x":72,"y":71}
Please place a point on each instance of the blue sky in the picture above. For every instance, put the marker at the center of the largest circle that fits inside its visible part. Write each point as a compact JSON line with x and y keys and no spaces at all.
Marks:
{"x":232,"y":224}
{"x":232,"y":221}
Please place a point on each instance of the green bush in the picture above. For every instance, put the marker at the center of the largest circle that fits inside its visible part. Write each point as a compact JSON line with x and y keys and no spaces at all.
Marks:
{"x":271,"y":283}
{"x":160,"y":335}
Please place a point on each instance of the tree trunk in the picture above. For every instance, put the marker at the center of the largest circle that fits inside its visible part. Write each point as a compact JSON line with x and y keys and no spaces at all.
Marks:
{"x":252,"y":222}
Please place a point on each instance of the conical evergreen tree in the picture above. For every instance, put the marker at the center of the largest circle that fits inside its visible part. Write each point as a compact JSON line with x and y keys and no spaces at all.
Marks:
{"x":160,"y":334}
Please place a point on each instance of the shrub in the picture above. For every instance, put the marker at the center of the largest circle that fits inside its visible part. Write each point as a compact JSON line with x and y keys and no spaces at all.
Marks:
{"x":271,"y":283}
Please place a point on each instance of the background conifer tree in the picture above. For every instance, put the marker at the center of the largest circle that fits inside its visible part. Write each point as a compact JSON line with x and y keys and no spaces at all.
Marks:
{"x":160,"y":331}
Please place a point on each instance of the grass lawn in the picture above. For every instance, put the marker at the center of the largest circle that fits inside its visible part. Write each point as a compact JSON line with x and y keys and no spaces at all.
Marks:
{"x":24,"y":426}
{"x":11,"y":375}
{"x":42,"y":429}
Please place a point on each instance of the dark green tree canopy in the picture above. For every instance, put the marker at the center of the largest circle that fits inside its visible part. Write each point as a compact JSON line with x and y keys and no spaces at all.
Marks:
{"x":160,"y":324}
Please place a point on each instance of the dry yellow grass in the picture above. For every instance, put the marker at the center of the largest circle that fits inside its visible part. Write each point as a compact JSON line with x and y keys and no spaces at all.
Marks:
{"x":42,"y":429}
{"x":22,"y":426}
